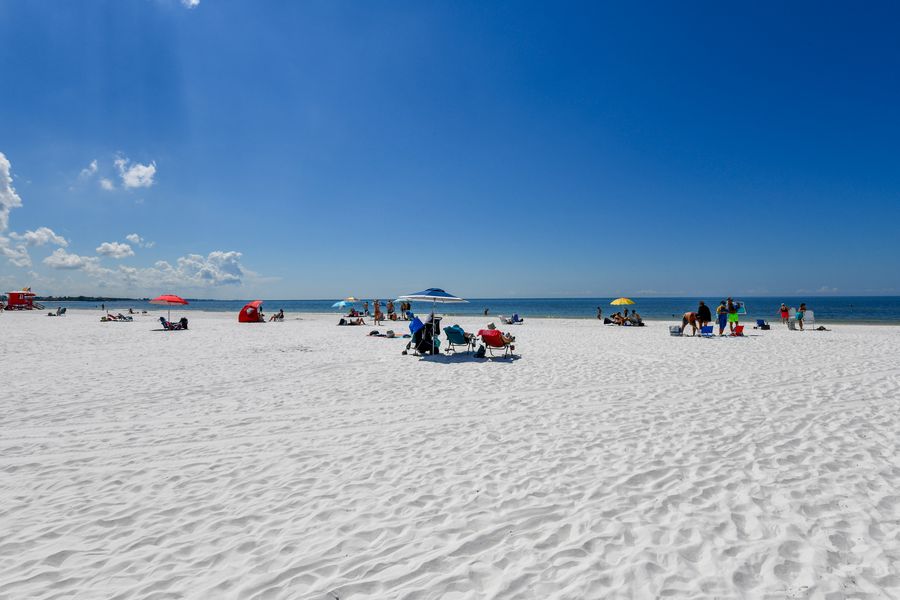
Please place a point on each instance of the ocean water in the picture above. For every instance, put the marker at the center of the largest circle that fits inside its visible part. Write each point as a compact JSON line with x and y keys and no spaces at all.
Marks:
{"x":835,"y":309}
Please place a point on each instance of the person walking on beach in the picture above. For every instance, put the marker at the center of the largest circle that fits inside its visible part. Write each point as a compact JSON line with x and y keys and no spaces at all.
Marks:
{"x":599,"y":313}
{"x":704,"y":316}
{"x":801,"y":312}
{"x":785,"y":313}
{"x":722,"y":315}
{"x":732,"y":315}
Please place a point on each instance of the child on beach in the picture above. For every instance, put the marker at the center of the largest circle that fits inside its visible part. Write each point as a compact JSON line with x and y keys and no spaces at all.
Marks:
{"x":785,"y":313}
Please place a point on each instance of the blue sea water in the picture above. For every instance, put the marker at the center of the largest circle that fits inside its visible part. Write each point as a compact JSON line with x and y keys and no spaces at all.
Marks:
{"x":835,"y":309}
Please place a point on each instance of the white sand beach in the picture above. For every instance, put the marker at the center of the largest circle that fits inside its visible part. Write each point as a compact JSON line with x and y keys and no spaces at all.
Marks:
{"x":305,"y":460}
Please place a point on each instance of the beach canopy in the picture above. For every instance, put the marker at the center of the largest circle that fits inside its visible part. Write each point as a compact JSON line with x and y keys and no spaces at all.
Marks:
{"x":250,"y":313}
{"x":432,"y":295}
{"x":621,"y":301}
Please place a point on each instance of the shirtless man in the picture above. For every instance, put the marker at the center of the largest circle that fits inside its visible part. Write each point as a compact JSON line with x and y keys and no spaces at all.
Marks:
{"x":689,"y":318}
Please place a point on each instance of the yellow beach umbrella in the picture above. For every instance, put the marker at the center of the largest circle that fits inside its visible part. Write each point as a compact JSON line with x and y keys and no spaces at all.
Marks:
{"x":351,"y":299}
{"x":621,"y":301}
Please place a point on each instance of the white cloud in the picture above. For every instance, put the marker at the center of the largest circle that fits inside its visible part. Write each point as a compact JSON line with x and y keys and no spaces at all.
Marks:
{"x":40,"y":237}
{"x":191,"y":3}
{"x":135,"y":175}
{"x":139,"y":241}
{"x":115,"y":250}
{"x":60,"y":259}
{"x":9,"y":199}
{"x":217,"y":268}
{"x":89,"y":170}
{"x":17,"y":255}
{"x":107,"y":184}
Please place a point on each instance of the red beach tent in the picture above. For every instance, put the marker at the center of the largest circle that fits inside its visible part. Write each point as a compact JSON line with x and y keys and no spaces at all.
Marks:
{"x":250,"y":313}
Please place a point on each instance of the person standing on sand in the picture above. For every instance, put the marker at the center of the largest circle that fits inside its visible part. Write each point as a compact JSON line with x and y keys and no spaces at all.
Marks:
{"x":486,"y":311}
{"x":722,"y":315}
{"x":732,"y":315}
{"x":704,"y":316}
{"x":785,"y":313}
{"x":378,"y":314}
{"x":599,"y":313}
{"x":366,"y":308}
{"x":801,"y":313}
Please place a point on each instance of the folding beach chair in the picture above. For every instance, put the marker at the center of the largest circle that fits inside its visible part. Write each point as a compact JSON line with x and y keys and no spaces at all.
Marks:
{"x":738,"y":331}
{"x":456,"y":336}
{"x":707,"y":331}
{"x":493,"y":341}
{"x":675,"y":330}
{"x":762,"y":324}
{"x":809,"y":320}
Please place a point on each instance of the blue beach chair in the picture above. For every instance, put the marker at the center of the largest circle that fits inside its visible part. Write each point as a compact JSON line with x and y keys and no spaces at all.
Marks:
{"x":456,"y":336}
{"x":706,"y":331}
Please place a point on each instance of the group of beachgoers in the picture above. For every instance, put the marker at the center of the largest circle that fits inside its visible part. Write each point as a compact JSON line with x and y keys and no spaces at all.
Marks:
{"x":728,"y":314}
{"x":357,"y":317}
{"x":621,"y":318}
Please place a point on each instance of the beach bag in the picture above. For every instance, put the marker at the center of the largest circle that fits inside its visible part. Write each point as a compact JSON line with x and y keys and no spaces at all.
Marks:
{"x":480,"y":352}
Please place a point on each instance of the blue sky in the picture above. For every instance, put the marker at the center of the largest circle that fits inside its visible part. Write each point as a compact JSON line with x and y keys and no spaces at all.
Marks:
{"x":318,"y":149}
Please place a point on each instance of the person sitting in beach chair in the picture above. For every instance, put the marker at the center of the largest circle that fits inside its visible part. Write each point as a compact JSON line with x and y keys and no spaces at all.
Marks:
{"x":495,"y":340}
{"x":279,"y":316}
{"x":176,"y":326}
{"x":636,"y":319}
{"x":456,"y":336}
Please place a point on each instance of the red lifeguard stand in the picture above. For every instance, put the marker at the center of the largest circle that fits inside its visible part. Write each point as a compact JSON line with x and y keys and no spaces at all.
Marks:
{"x":21,"y":300}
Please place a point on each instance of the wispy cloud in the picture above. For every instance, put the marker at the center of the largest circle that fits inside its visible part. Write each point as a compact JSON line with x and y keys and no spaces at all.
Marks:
{"x":89,"y":171}
{"x":107,"y":184}
{"x":190,"y":3}
{"x":40,"y":237}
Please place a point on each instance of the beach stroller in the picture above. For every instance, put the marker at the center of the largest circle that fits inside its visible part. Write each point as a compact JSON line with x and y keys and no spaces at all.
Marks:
{"x":493,"y":340}
{"x":424,"y":339}
{"x":456,"y":336}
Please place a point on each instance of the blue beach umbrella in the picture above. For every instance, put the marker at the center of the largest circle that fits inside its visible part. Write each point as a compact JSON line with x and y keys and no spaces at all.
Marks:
{"x":433,"y":295}
{"x":341,"y":304}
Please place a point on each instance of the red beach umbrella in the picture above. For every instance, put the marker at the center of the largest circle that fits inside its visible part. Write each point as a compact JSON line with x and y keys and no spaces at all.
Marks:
{"x":169,"y":300}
